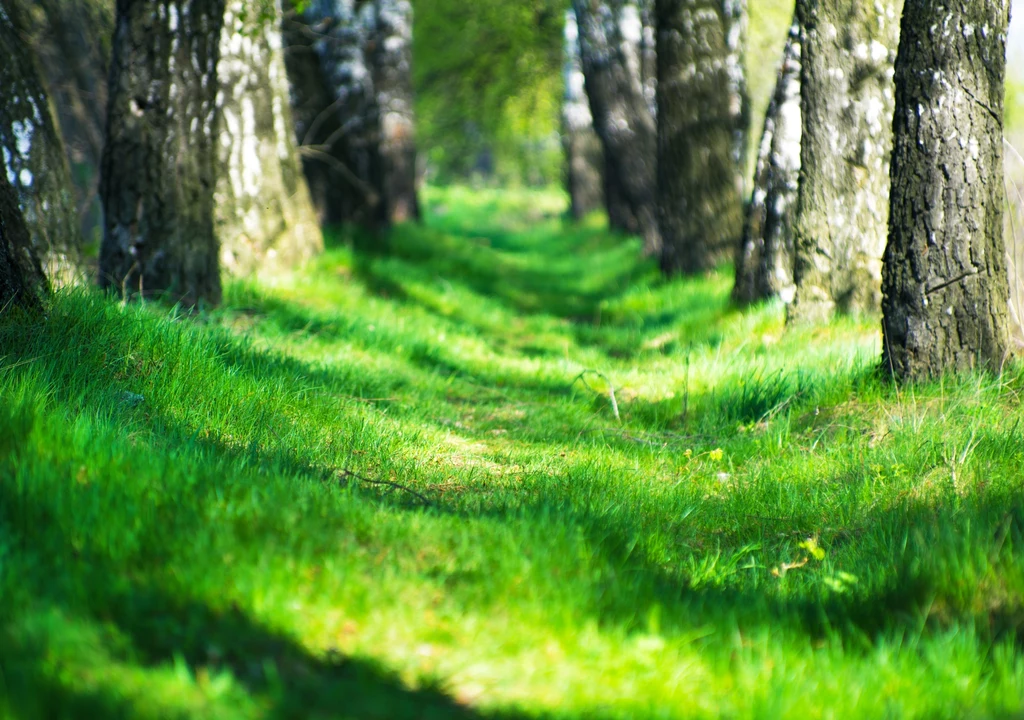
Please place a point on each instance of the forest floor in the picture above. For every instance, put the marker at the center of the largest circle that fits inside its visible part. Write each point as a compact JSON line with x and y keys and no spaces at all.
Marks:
{"x":395,"y":486}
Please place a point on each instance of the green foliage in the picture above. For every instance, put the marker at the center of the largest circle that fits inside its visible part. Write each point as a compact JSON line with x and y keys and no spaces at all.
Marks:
{"x":821,"y":545}
{"x":488,"y":81}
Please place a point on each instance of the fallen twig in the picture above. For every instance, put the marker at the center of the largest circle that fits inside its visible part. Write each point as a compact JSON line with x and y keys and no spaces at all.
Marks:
{"x":582,"y":377}
{"x":344,"y":474}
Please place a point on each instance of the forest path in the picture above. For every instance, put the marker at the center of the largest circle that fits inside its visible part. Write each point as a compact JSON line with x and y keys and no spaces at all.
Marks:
{"x":196,"y":525}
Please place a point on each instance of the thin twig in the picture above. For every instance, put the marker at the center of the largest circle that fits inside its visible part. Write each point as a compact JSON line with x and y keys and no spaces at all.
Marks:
{"x":344,"y":474}
{"x":582,"y":377}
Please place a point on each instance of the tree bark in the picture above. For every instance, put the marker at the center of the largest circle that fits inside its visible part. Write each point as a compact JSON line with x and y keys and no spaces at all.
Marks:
{"x":264,"y":217}
{"x":703,"y":114}
{"x":22,"y":281}
{"x":584,"y":159}
{"x":622,"y":118}
{"x":945,"y":283}
{"x":764,"y":264}
{"x":160,"y":158}
{"x":337,"y":113}
{"x":390,"y":58}
{"x":33,"y":154}
{"x":71,"y":40}
{"x":842,"y":209}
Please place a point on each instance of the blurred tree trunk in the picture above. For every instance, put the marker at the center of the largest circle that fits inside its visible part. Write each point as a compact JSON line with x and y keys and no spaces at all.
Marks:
{"x":159,"y":163}
{"x":703,"y":114}
{"x":22,"y":282}
{"x":337,"y":115}
{"x":71,"y":40}
{"x":945,"y":283}
{"x":33,"y":153}
{"x":390,"y":58}
{"x":584,"y":159}
{"x":847,"y":99}
{"x":610,"y":32}
{"x":764,"y":264}
{"x":263,"y":217}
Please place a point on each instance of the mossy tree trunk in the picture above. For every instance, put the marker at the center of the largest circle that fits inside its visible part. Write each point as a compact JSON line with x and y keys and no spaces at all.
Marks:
{"x":609,"y":33}
{"x":159,"y":163}
{"x":71,"y":40}
{"x":846,"y":91}
{"x":945,"y":284}
{"x":264,"y":217}
{"x":583,"y":156}
{"x":33,"y":153}
{"x":390,"y":58}
{"x":764,"y":263}
{"x":22,"y":281}
{"x":703,"y":114}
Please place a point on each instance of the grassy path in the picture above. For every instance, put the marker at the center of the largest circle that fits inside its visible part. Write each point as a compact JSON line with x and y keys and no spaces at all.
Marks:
{"x":382,"y":489}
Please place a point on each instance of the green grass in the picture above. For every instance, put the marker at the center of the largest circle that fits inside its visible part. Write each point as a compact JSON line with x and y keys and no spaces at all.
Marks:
{"x":179,"y":536}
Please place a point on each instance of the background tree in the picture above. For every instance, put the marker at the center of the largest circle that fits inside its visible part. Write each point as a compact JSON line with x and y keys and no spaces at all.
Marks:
{"x":390,"y":59}
{"x":488,"y":89}
{"x":703,"y":116}
{"x":764,"y":263}
{"x":263,"y":215}
{"x":609,"y":35}
{"x":945,"y":282}
{"x":33,"y":153}
{"x":159,"y":163}
{"x":583,"y":156}
{"x":847,"y":99}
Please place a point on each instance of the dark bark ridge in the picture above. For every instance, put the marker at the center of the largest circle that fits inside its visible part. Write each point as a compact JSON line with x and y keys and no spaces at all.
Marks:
{"x":946,"y":292}
{"x":22,"y":282}
{"x":160,"y":158}
{"x":764,"y":263}
{"x":703,"y":115}
{"x":622,"y":117}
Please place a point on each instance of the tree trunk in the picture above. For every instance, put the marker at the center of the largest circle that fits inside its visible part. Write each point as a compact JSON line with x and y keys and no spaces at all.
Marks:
{"x":337,"y":114}
{"x":703,"y":115}
{"x":842,"y":210}
{"x":22,"y":282}
{"x":71,"y":40}
{"x":390,"y":58}
{"x":622,"y":118}
{"x":764,"y":264}
{"x":33,"y":154}
{"x":160,"y":158}
{"x":945,"y":283}
{"x":263,"y":215}
{"x":584,"y":159}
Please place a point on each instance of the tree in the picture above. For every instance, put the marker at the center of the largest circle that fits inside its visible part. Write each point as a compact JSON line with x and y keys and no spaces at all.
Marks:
{"x":71,"y":40}
{"x":263,"y":215}
{"x":337,"y":113}
{"x":22,"y":281}
{"x":390,"y":59}
{"x":609,"y":32}
{"x":703,"y":116}
{"x":847,"y":100}
{"x":583,"y":156}
{"x":33,"y":153}
{"x":945,"y":284}
{"x":764,"y":263}
{"x":159,"y":163}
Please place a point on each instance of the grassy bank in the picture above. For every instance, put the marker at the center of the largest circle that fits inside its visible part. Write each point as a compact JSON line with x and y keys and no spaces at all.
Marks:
{"x":394,"y":486}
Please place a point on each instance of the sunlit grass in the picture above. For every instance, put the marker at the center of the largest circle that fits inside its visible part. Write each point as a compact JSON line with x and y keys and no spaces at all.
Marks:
{"x":186,"y":530}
